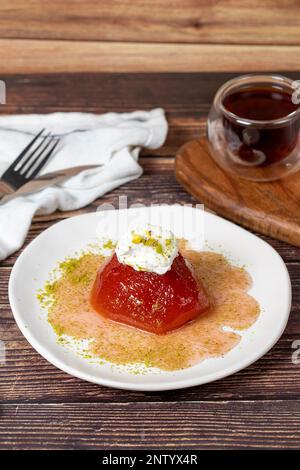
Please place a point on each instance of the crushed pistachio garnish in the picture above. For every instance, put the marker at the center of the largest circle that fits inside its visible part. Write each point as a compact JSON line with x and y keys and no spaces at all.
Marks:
{"x":149,"y":248}
{"x":148,"y":241}
{"x":109,"y":245}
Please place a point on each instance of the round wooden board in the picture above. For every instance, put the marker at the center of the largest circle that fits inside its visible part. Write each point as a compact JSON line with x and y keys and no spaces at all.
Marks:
{"x":271,"y":208}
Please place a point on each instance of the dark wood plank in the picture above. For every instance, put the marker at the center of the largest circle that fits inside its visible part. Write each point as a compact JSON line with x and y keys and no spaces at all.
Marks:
{"x":192,"y":21}
{"x":202,"y":425}
{"x":184,"y":96}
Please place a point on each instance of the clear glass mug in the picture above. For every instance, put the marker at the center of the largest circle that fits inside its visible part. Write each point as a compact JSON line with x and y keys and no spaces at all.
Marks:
{"x":255,"y":149}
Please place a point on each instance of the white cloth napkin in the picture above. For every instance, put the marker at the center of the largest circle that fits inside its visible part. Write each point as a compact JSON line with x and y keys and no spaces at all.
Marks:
{"x":111,"y":140}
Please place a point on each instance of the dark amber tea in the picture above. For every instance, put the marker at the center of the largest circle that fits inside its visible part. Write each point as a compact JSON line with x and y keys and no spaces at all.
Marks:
{"x":255,"y":126}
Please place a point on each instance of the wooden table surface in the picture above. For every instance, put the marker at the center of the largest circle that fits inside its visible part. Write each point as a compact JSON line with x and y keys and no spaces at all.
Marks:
{"x":44,"y":408}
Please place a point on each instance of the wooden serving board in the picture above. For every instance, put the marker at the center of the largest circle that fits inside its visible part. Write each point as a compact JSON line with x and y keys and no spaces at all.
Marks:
{"x":271,"y":208}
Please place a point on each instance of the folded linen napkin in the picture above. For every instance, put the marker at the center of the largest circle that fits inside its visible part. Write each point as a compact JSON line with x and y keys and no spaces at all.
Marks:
{"x":111,"y":140}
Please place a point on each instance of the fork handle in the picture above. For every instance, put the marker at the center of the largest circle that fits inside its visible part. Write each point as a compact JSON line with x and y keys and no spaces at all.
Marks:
{"x":5,"y":189}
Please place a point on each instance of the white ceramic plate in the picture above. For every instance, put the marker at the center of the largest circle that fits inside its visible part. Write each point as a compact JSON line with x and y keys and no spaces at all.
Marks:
{"x":271,"y":287}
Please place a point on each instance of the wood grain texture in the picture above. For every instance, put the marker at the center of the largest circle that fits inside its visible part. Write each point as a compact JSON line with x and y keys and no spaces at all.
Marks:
{"x":158,"y":425}
{"x":42,"y":407}
{"x":57,"y":56}
{"x":132,"y":36}
{"x":269,"y":208}
{"x":191,"y":21}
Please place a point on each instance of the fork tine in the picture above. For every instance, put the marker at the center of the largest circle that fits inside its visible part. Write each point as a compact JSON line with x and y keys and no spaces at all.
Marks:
{"x":25,"y":150}
{"x":29,"y":170}
{"x":26,"y":159}
{"x":45,"y":159}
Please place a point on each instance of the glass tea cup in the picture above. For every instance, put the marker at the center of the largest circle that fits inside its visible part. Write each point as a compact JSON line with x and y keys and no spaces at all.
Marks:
{"x":253,"y":127}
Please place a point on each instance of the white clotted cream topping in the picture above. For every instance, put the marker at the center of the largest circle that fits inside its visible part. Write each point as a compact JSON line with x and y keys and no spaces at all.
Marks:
{"x":148,"y":248}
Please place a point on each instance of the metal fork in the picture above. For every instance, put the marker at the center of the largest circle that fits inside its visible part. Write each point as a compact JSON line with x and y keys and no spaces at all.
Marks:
{"x":28,"y":164}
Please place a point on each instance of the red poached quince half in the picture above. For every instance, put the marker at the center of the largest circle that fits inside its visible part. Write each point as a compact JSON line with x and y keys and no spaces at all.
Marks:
{"x":132,"y":294}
